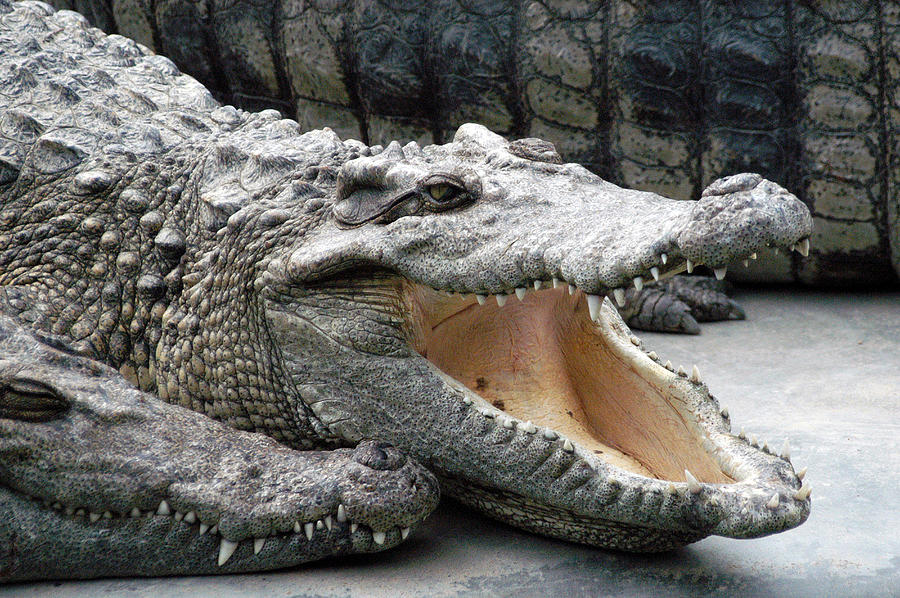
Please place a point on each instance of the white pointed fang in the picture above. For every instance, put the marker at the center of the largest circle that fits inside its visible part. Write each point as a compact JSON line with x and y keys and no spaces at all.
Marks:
{"x":163,"y":508}
{"x":520,"y":293}
{"x":773,"y":502}
{"x":404,"y":533}
{"x":695,"y":374}
{"x":509,"y":424}
{"x":467,"y":400}
{"x":693,"y":484}
{"x":742,"y":435}
{"x":258,"y":544}
{"x":481,"y":299}
{"x":568,"y":446}
{"x":308,"y":530}
{"x":204,"y":528}
{"x":619,"y":294}
{"x":690,"y":266}
{"x":501,"y":299}
{"x":754,"y":440}
{"x":226,"y":549}
{"x":378,"y":537}
{"x":328,"y":522}
{"x":353,"y":527}
{"x":724,"y":412}
{"x":668,"y":365}
{"x":572,"y":289}
{"x":663,"y":258}
{"x":655,"y":272}
{"x":753,"y":256}
{"x":528,"y":427}
{"x":801,"y":474}
{"x":555,"y":283}
{"x":720,"y":272}
{"x":341,"y":514}
{"x":95,"y":517}
{"x":803,"y":247}
{"x":319,"y":524}
{"x":593,"y":302}
{"x":550,"y":435}
{"x":786,"y":450}
{"x":107,"y":515}
{"x":746,"y":263}
{"x":652,"y":355}
{"x":179,"y":515}
{"x":638,"y":283}
{"x":681,"y":371}
{"x":297,"y":528}
{"x":190,"y":517}
{"x":635,"y":341}
{"x":135,"y":512}
{"x":537,"y":285}
{"x":803,"y":492}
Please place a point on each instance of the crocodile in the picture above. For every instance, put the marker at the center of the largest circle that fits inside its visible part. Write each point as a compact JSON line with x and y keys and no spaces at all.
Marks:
{"x":660,"y":97}
{"x":447,"y":299}
{"x":100,"y":479}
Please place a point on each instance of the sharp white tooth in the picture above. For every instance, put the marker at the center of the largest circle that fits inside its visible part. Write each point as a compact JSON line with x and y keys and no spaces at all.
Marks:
{"x":803,"y":492}
{"x":720,"y":272}
{"x":328,"y":522}
{"x":179,"y":515}
{"x":214,"y":530}
{"x":638,"y":283}
{"x":107,"y":515}
{"x":693,"y":484}
{"x":681,"y":371}
{"x":655,"y":272}
{"x":297,"y":527}
{"x":226,"y":549}
{"x":95,"y":517}
{"x":308,"y":530}
{"x":467,"y":400}
{"x":568,"y":446}
{"x":572,"y":289}
{"x":163,"y":508}
{"x":528,"y":427}
{"x":481,"y":299}
{"x":742,"y":435}
{"x":135,"y":512}
{"x":190,"y":517}
{"x":786,"y":450}
{"x":509,"y":424}
{"x":550,"y":435}
{"x":353,"y":527}
{"x":754,"y":440}
{"x":203,"y":528}
{"x":668,"y":365}
{"x":556,"y":283}
{"x":488,"y":413}
{"x":258,"y":544}
{"x":724,"y":412}
{"x":635,"y":341}
{"x":746,"y":263}
{"x":378,"y":537}
{"x":341,"y":514}
{"x":593,"y":302}
{"x":319,"y":524}
{"x":404,"y":532}
{"x":690,"y":266}
{"x":801,"y":474}
{"x":804,"y":247}
{"x":663,"y":258}
{"x":765,"y":447}
{"x":753,"y":256}
{"x":619,"y":294}
{"x":695,"y":374}
{"x":501,"y":299}
{"x":652,"y":355}
{"x":520,"y":293}
{"x":537,"y":285}
{"x":773,"y":502}
{"x":775,"y":250}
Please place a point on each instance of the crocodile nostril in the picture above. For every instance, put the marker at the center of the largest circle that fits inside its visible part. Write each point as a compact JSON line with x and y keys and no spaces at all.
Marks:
{"x":380,"y":456}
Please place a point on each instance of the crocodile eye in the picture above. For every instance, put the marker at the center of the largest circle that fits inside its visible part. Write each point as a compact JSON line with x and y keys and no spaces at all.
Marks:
{"x":438,"y":192}
{"x":30,"y":400}
{"x":444,"y":191}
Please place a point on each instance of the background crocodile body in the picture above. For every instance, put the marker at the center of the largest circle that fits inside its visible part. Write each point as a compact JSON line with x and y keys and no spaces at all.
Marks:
{"x":326,"y":292}
{"x":663,"y":97}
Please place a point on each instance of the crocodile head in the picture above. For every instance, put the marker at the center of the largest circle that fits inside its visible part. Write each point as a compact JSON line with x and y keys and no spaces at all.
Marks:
{"x":98,"y":478}
{"x":449,"y":300}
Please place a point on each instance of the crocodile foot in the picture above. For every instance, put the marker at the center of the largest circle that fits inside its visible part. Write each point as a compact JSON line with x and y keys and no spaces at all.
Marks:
{"x":677,"y":305}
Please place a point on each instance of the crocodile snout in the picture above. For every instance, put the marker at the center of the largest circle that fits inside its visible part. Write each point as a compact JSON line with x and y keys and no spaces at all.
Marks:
{"x":379,"y":456}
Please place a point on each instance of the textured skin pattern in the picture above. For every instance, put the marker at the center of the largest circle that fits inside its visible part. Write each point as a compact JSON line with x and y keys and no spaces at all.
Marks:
{"x":70,"y":482}
{"x":663,"y":97}
{"x":228,"y":263}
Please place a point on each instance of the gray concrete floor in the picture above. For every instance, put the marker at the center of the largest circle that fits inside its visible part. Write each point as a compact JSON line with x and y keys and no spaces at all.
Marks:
{"x":820,"y":368}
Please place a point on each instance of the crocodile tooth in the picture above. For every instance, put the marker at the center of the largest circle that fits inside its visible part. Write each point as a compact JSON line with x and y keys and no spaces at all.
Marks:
{"x":635,"y":341}
{"x":568,"y":446}
{"x":773,"y":502}
{"x":720,"y":272}
{"x":297,"y":527}
{"x":509,"y":424}
{"x":319,"y":524}
{"x":353,"y":527}
{"x":404,"y":532}
{"x":765,"y":447}
{"x":308,"y":530}
{"x":179,"y":515}
{"x":753,"y":256}
{"x":328,"y":522}
{"x":690,"y":266}
{"x":593,"y":302}
{"x":572,"y":289}
{"x":746,"y":263}
{"x":226,"y":549}
{"x":135,"y":512}
{"x":488,"y":413}
{"x":163,"y":508}
{"x":528,"y":427}
{"x":520,"y":293}
{"x":742,"y":435}
{"x":693,"y":484}
{"x":668,"y":365}
{"x":655,"y":272}
{"x":754,"y":440}
{"x":786,"y":450}
{"x":638,"y":283}
{"x":341,"y":514}
{"x":724,"y":412}
{"x":467,"y":400}
{"x":663,"y":258}
{"x":537,"y":285}
{"x":620,"y":297}
{"x":555,"y":283}
{"x":550,"y":434}
{"x":803,"y":492}
{"x":190,"y":517}
{"x":695,"y":374}
{"x":95,"y":517}
{"x":204,"y":527}
{"x":378,"y":537}
{"x":107,"y":515}
{"x":258,"y":544}
{"x":681,"y":371}
{"x":481,"y":299}
{"x":501,"y":299}
{"x":653,"y":355}
{"x":804,"y":247}
{"x":801,"y":474}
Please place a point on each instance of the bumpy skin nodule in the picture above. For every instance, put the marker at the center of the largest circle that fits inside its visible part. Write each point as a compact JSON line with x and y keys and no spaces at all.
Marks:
{"x":88,"y":461}
{"x":665,"y":98}
{"x":228,"y":263}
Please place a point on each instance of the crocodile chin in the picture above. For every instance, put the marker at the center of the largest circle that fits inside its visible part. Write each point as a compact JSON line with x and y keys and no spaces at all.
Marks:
{"x":541,"y":358}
